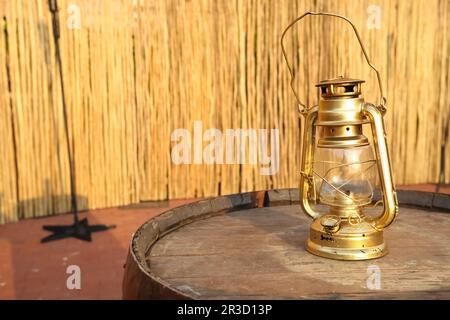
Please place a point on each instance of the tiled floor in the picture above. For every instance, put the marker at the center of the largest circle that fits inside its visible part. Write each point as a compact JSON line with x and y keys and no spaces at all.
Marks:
{"x":31,"y":270}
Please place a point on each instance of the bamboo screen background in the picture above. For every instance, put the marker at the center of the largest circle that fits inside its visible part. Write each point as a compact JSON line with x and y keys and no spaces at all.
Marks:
{"x":137,"y":70}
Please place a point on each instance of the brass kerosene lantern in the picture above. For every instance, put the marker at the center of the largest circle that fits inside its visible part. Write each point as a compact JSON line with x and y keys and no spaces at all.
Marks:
{"x":338,"y":168}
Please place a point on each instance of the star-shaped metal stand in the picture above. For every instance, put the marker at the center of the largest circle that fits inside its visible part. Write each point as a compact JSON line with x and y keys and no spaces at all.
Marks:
{"x":80,"y":229}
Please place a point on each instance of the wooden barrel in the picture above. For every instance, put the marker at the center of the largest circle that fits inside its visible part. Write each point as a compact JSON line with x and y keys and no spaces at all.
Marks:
{"x":252,"y":245}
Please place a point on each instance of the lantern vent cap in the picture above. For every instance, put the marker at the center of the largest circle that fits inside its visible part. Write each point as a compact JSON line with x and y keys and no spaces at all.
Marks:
{"x":340,"y":87}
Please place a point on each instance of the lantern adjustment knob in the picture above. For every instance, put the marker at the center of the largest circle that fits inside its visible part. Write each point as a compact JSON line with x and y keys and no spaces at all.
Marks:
{"x":330,"y":223}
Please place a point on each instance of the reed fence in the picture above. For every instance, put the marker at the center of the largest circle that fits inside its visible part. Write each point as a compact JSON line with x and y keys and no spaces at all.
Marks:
{"x":134,"y":71}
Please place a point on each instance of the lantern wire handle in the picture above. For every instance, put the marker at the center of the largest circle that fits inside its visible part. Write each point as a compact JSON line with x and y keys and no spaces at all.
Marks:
{"x":304,"y":109}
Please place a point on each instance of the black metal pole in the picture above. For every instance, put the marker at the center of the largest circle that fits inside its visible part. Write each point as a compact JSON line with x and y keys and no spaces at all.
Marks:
{"x":53,"y":4}
{"x":80,"y":228}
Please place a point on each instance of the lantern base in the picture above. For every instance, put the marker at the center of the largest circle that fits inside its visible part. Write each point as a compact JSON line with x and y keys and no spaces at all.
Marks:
{"x":349,"y":242}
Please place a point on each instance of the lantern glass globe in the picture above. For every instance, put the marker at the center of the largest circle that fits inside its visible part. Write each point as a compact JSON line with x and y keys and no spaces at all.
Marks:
{"x":345,"y":176}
